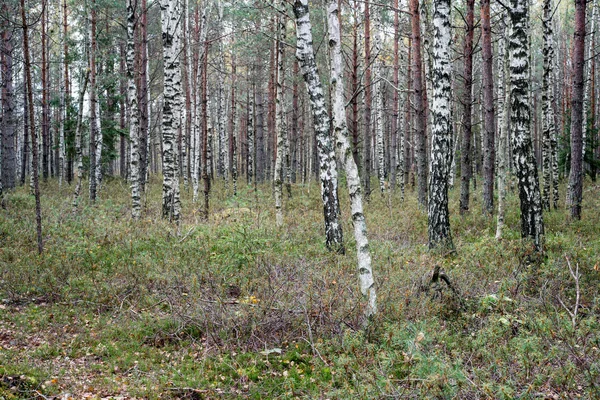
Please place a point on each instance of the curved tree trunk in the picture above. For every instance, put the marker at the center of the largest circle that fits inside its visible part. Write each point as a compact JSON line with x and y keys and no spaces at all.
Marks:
{"x":344,"y":151}
{"x":327,"y":170}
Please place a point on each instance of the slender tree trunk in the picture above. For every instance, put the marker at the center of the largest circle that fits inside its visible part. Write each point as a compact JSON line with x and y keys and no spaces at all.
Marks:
{"x":26,"y":159}
{"x":123,"y":82}
{"x":78,"y":149}
{"x":395,"y":164}
{"x":588,"y":70}
{"x":420,"y":140}
{"x":250,"y":137}
{"x":172,"y":106}
{"x":280,"y":123}
{"x":532,"y":223}
{"x":134,"y":112}
{"x":8,"y":126}
{"x":328,"y":171}
{"x":489,"y":122}
{"x":548,"y":118}
{"x":466,"y":162}
{"x":232,"y":136}
{"x":380,"y":93}
{"x":45,"y":94}
{"x":344,"y":152}
{"x":34,"y":151}
{"x":94,"y":123}
{"x":205,"y":141}
{"x":198,"y":133}
{"x":503,"y":124}
{"x":355,"y":88}
{"x":576,"y":175}
{"x":368,"y":102}
{"x":441,"y":132}
{"x":143,"y":93}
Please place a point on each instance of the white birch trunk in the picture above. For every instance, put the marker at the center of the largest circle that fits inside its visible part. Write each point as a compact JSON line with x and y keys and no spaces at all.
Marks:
{"x":344,"y":152}
{"x":78,"y":151}
{"x":134,"y":127}
{"x":250,"y":137}
{"x":379,"y":93}
{"x":441,"y":131}
{"x":503,"y":126}
{"x":327,"y":168}
{"x":171,"y":33}
{"x":590,"y":54}
{"x":99,"y":143}
{"x":196,"y":165}
{"x":532,"y":223}
{"x":280,"y":123}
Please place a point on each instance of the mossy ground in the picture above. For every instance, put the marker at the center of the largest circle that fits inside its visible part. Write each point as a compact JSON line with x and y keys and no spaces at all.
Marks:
{"x":236,"y":308}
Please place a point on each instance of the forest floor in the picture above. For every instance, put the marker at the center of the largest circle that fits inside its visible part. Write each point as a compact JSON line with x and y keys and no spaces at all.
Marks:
{"x":236,"y":308}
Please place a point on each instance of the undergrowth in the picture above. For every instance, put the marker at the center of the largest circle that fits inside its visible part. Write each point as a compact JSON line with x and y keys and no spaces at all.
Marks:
{"x":236,"y":308}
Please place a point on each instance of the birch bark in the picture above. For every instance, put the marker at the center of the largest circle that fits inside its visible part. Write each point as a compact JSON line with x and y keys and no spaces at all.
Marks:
{"x":327,"y":167}
{"x":344,"y":152}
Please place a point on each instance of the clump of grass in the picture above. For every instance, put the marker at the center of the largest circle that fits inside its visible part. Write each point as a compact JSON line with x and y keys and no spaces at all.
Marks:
{"x":238,"y":308}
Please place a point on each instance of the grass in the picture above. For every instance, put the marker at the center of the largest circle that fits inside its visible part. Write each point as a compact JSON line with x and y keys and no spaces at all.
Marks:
{"x":235,"y":308}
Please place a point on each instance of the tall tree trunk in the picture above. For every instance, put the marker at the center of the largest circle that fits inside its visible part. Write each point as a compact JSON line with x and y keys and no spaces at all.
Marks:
{"x":232,"y":135}
{"x":344,"y":152}
{"x":143,"y":93}
{"x":420,"y":140}
{"x":34,"y":148}
{"x":588,"y":117}
{"x":503,"y":124}
{"x":489,"y":122}
{"x":172,"y":94}
{"x":123,"y":82}
{"x":548,"y":118}
{"x":26,"y":159}
{"x":368,"y":102}
{"x":355,"y":87}
{"x":380,"y":93}
{"x":94,"y":117}
{"x":280,"y":122}
{"x":205,"y":141}
{"x":576,"y":175}
{"x":441,"y":132}
{"x":466,"y":162}
{"x":45,"y":94}
{"x":7,"y":157}
{"x":328,"y":171}
{"x":532,"y":223}
{"x":78,"y":149}
{"x":134,"y":112}
{"x":250,"y":137}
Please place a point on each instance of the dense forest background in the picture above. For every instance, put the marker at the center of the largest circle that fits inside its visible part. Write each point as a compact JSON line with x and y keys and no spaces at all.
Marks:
{"x":191,"y":192}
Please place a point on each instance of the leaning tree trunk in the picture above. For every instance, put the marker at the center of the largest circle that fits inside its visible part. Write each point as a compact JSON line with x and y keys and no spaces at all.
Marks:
{"x":466,"y":159}
{"x":171,"y":32}
{"x":576,"y":175}
{"x":532,"y":223}
{"x":420,"y":134}
{"x":503,"y":126}
{"x":489,"y":122}
{"x":441,"y":131}
{"x":548,"y":119}
{"x":34,"y":148}
{"x":328,"y":171}
{"x":344,"y":151}
{"x":134,"y":125}
{"x":280,"y":125}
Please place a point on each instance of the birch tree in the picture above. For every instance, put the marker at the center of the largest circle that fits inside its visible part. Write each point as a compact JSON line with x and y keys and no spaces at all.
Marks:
{"x":548,"y":120}
{"x":94,"y":107}
{"x":575,"y":191}
{"x":441,"y":132}
{"x":532,"y":223}
{"x":172,"y":94}
{"x":503,"y":125}
{"x":134,"y":129}
{"x":344,"y":152}
{"x":280,"y":125}
{"x":379,"y":93}
{"x":327,"y":168}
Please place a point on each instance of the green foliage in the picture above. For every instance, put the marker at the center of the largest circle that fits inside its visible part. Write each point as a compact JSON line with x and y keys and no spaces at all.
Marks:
{"x":236,"y":308}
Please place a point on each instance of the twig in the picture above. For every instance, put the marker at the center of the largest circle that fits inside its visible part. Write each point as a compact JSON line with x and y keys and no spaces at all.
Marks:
{"x":310,"y":336}
{"x":575,"y":274}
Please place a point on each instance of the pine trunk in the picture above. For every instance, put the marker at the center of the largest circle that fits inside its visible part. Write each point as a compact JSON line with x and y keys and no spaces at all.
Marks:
{"x":466,"y":163}
{"x":489,"y":122}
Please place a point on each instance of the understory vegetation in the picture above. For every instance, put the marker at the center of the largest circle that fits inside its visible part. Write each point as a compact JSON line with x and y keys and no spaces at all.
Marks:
{"x":237,"y":308}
